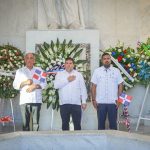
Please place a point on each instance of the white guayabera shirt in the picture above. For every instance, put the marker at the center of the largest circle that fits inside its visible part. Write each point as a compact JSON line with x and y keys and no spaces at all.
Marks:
{"x":107,"y":81}
{"x":24,"y":74}
{"x":71,"y":92}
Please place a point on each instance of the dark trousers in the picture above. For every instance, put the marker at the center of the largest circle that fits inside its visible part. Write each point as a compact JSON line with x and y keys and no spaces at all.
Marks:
{"x":102,"y":111}
{"x":68,"y":110}
{"x":30,"y":115}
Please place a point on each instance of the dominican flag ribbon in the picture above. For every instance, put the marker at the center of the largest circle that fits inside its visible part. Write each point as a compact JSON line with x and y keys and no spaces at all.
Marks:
{"x":39,"y":75}
{"x":56,"y":68}
{"x":125,"y":99}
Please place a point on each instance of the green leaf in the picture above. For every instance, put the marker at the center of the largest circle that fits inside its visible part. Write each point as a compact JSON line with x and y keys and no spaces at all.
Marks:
{"x":46,"y":45}
{"x":42,"y":51}
{"x":63,"y":47}
{"x":74,"y":50}
{"x":78,"y":53}
{"x":69,"y":43}
{"x":57,"y":43}
{"x":81,"y":62}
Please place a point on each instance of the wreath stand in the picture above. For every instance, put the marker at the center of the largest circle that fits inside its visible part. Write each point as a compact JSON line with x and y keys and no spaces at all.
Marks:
{"x":141,"y":111}
{"x":125,"y":115}
{"x":8,"y":73}
{"x":52,"y":119}
{"x":7,"y":119}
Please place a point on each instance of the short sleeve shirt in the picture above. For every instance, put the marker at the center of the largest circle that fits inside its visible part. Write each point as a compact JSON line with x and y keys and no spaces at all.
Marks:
{"x":107,"y":81}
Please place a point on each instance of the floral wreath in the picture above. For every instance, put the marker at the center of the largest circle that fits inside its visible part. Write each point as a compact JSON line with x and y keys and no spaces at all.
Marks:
{"x":51,"y":57}
{"x":128,"y":60}
{"x":143,"y":51}
{"x":11,"y":58}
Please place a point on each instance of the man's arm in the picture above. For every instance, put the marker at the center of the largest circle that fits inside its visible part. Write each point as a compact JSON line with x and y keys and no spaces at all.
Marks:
{"x":33,"y":87}
{"x":120,"y":89}
{"x":83,"y":92}
{"x":61,"y":81}
{"x":93,"y":91}
{"x":27,"y":82}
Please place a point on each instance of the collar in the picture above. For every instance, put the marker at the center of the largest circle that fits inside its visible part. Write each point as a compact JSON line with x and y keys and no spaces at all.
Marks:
{"x":70,"y":72}
{"x":29,"y":69}
{"x":107,"y":69}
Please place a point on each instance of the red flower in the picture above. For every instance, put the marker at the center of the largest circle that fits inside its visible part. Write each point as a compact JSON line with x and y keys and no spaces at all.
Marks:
{"x":119,"y":58}
{"x":125,"y":51}
{"x":17,"y":53}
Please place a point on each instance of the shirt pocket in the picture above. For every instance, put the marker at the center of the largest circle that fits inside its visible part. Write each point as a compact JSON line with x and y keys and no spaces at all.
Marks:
{"x":101,"y":78}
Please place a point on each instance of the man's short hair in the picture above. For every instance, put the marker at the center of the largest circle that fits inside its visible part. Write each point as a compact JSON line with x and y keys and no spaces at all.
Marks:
{"x":104,"y":54}
{"x":69,"y":58}
{"x":29,"y":53}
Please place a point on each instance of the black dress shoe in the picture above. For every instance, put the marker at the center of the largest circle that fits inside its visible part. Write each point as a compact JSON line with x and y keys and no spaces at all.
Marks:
{"x":26,"y":129}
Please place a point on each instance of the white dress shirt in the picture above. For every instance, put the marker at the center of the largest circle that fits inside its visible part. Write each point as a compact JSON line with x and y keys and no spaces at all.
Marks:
{"x":107,"y":82}
{"x":24,"y":74}
{"x":70,"y":92}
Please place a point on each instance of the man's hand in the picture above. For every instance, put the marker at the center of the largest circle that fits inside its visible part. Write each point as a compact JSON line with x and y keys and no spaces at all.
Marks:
{"x":31,"y":88}
{"x":71,"y":78}
{"x":83,"y":106}
{"x":94,"y":104}
{"x":29,"y":82}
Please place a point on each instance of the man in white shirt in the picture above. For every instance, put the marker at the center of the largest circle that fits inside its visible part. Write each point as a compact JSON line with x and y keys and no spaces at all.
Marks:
{"x":107,"y":85}
{"x":72,"y":94}
{"x":30,"y":92}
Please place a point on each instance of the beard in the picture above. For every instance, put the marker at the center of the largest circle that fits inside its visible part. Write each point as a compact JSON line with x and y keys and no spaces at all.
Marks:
{"x":106,"y":65}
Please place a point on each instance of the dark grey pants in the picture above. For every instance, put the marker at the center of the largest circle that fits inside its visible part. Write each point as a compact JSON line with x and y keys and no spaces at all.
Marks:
{"x":30,"y":116}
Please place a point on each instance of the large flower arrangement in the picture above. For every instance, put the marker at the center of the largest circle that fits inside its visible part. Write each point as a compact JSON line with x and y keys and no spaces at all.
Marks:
{"x":128,"y":60}
{"x":143,"y":50}
{"x":52,"y":57}
{"x":11,"y":59}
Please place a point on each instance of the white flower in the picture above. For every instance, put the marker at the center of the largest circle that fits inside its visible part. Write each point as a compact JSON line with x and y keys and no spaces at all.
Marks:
{"x":50,"y":98}
{"x":143,"y":56}
{"x":124,"y":59}
{"x":59,"y":63}
{"x":129,"y":65}
{"x":124,"y":78}
{"x":126,"y":87}
{"x":55,"y":48}
{"x":79,"y":65}
{"x":135,"y":74}
{"x":131,"y":69}
{"x":137,"y":55}
{"x":53,"y":62}
{"x":119,"y":50}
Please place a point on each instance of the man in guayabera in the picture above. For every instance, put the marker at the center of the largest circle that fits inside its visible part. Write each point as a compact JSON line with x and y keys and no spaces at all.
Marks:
{"x":30,"y":93}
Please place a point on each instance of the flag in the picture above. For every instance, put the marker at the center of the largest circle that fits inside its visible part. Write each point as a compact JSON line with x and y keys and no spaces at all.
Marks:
{"x":125,"y":99}
{"x":39,"y":75}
